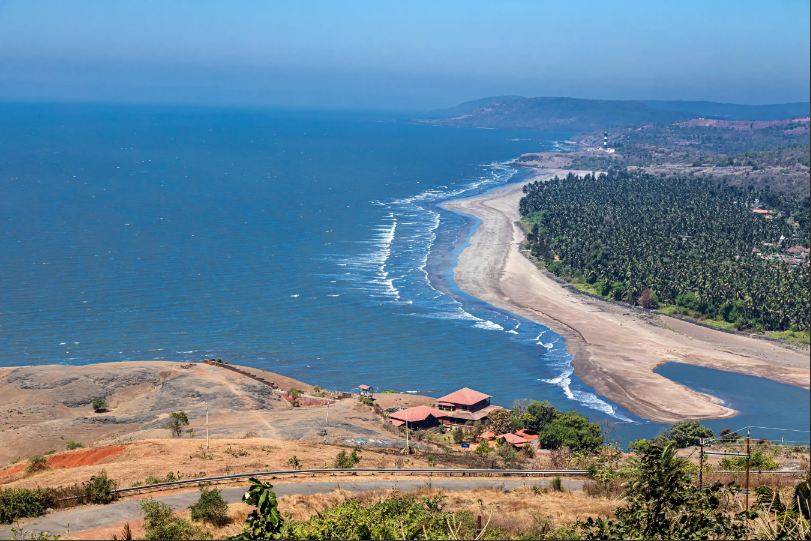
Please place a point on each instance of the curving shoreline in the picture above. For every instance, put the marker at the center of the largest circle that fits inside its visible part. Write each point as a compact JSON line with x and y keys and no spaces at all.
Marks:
{"x":614,"y":350}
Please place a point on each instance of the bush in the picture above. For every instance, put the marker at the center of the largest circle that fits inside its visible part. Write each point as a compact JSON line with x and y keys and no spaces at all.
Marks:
{"x":70,"y":445}
{"x":99,"y":405}
{"x":458,"y":435}
{"x":17,"y":503}
{"x":483,"y":449}
{"x":556,"y":484}
{"x":294,"y":462}
{"x":572,"y":430}
{"x":160,"y":523}
{"x":758,"y":460}
{"x":99,"y":489}
{"x":37,"y":463}
{"x":507,"y":453}
{"x":177,"y":420}
{"x":346,"y":460}
{"x":210,"y":508}
{"x":396,"y":517}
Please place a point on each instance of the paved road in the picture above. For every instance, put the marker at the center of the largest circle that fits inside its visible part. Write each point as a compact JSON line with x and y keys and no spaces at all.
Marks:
{"x":95,"y":516}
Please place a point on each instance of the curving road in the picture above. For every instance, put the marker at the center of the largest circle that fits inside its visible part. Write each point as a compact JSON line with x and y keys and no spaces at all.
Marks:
{"x":96,"y":516}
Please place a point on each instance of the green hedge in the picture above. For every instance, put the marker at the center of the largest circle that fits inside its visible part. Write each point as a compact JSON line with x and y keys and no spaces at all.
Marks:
{"x":16,"y":503}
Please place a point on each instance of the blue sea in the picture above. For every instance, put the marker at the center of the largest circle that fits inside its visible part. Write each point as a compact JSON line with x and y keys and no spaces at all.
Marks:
{"x":309,"y":243}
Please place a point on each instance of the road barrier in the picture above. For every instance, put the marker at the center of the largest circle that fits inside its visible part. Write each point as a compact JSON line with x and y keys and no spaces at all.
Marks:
{"x":450,"y":472}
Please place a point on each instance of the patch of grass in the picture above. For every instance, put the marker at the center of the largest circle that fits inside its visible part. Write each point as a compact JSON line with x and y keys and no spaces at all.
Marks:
{"x":795,"y":338}
{"x":720,"y":324}
{"x":70,"y":445}
{"x":236,"y":453}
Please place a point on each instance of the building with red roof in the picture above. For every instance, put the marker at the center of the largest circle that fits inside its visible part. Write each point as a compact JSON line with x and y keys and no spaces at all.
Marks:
{"x":514,"y":439}
{"x":462,"y":407}
{"x":416,"y":417}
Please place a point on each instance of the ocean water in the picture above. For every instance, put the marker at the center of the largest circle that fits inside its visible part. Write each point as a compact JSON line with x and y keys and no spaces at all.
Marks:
{"x":308,"y":243}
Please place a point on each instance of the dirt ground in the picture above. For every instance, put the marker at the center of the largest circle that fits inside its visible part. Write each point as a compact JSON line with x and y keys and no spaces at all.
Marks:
{"x":46,"y":406}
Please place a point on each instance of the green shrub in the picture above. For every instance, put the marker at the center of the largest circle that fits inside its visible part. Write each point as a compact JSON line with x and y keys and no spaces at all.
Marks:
{"x":572,"y":430}
{"x":396,"y":517}
{"x":161,"y":524}
{"x":687,"y":433}
{"x":17,"y":503}
{"x":346,"y":460}
{"x":265,"y":521}
{"x":556,"y":484}
{"x":210,"y":508}
{"x":37,"y":463}
{"x":99,"y":405}
{"x":758,"y":461}
{"x":99,"y":489}
{"x":294,"y":462}
{"x":70,"y":445}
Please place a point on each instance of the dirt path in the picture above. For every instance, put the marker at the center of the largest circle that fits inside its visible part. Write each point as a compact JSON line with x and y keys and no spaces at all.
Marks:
{"x":98,"y":516}
{"x":615,"y":350}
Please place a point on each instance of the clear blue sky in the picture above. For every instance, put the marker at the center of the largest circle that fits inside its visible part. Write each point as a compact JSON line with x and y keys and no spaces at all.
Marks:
{"x":406,"y":54}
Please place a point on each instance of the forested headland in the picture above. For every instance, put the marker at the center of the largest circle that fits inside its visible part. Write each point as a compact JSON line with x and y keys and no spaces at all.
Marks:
{"x":682,"y":244}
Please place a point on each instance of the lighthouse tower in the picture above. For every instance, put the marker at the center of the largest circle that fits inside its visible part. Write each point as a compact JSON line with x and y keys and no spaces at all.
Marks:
{"x":605,"y":140}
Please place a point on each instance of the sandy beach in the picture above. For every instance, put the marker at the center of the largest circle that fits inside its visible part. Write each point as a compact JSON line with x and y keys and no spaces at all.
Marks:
{"x":615,"y":349}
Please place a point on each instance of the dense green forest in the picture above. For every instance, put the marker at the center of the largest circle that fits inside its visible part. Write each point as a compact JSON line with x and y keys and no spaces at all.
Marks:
{"x":688,"y":242}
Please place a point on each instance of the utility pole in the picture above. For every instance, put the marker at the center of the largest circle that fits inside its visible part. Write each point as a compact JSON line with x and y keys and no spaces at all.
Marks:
{"x":748,"y":456}
{"x":700,"y":463}
{"x":207,"y":441}
{"x":408,"y":451}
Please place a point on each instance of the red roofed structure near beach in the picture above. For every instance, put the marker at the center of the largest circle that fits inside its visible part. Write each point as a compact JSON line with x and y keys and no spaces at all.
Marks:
{"x":514,"y":439}
{"x":416,"y":417}
{"x":463,"y":407}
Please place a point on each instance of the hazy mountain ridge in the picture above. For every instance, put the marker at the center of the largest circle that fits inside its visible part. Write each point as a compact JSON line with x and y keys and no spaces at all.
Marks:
{"x":556,"y":113}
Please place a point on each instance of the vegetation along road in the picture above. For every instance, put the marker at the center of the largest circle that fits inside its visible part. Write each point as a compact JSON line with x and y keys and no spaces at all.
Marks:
{"x":94,"y":516}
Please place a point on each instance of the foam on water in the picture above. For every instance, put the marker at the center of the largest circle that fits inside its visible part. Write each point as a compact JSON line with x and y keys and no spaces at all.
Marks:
{"x":395,"y":269}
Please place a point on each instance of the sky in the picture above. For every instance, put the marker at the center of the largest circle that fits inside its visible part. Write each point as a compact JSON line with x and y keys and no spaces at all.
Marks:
{"x":413,"y":55}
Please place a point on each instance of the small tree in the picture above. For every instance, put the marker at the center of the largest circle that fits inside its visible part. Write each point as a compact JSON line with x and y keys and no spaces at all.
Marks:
{"x":178,"y":420}
{"x":294,"y":462}
{"x":500,"y":421}
{"x":99,"y":489}
{"x":648,"y":299}
{"x":210,"y":508}
{"x":687,"y":433}
{"x":99,"y":405}
{"x":346,"y":460}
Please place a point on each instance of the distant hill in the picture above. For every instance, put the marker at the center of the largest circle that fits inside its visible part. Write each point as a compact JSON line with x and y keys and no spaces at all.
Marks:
{"x":588,"y":115}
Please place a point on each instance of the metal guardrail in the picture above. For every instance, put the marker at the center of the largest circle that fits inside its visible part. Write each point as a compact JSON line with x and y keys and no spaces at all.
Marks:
{"x":471,"y":472}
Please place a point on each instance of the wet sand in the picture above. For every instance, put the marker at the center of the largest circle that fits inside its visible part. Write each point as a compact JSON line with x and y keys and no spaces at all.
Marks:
{"x":614,"y":349}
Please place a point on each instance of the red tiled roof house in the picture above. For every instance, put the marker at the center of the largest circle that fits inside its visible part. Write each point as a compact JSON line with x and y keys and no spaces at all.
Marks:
{"x":416,"y":417}
{"x":464,"y":407}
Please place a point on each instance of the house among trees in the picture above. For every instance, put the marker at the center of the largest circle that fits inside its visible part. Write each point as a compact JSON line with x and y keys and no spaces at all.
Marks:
{"x":460,"y":408}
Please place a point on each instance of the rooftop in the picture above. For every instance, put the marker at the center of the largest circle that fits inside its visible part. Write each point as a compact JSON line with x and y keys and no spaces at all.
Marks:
{"x":514,"y":439}
{"x":465,"y":397}
{"x":415,"y":414}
